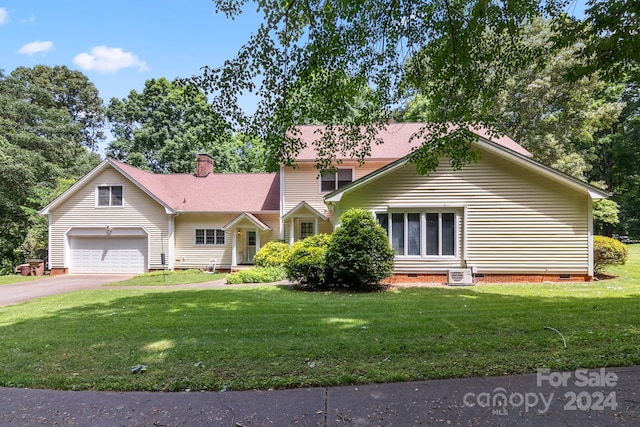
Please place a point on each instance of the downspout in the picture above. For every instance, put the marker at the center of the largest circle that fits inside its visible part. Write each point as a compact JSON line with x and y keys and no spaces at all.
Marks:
{"x":590,"y":269}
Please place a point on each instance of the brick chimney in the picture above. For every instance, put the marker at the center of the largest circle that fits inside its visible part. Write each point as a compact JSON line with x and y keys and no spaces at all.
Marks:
{"x":204,"y":165}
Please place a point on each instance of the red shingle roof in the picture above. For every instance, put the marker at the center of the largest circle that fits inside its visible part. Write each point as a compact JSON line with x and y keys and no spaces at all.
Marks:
{"x":217,"y":192}
{"x":397,"y":141}
{"x":255,"y":192}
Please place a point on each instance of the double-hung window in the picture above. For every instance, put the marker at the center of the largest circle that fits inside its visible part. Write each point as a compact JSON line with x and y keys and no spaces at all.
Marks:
{"x":421,"y":233}
{"x":332,"y":180}
{"x":209,"y":236}
{"x":109,"y":195}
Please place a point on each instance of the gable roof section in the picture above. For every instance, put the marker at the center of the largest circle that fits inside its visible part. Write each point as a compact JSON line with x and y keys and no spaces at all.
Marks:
{"x":251,"y":218}
{"x":253,"y":192}
{"x":88,"y":177}
{"x":300,"y":206}
{"x":397,"y":141}
{"x":498,"y":149}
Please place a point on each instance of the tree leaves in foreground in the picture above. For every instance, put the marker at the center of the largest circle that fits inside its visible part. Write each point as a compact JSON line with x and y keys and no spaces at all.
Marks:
{"x":41,"y":149}
{"x":162,"y":129}
{"x":457,"y":53}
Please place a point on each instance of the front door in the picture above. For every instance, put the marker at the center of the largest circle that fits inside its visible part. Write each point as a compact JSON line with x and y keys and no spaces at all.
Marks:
{"x":251,"y":247}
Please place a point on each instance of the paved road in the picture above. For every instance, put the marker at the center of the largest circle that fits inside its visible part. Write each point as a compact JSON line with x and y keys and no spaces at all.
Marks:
{"x":24,"y":291}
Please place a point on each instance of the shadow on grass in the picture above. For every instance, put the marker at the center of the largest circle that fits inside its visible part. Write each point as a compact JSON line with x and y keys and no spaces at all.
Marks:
{"x":277,"y":337}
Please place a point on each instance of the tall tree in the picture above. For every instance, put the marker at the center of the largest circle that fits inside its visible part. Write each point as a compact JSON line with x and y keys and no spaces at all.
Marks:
{"x":163,"y":128}
{"x":459,"y":54}
{"x":40,"y":146}
{"x":70,"y":90}
{"x":610,"y":33}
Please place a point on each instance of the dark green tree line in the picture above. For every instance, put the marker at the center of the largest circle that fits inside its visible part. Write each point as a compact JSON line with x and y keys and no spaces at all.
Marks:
{"x":162,"y":129}
{"x":42,"y":148}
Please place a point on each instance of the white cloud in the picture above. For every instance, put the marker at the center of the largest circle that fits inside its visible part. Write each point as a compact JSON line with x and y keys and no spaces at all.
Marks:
{"x":108,"y":60}
{"x":36,"y":47}
{"x":4,"y":16}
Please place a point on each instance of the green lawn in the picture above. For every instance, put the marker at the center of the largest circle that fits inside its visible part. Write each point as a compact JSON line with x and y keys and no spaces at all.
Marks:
{"x":276,"y":337}
{"x":16,"y":278}
{"x":165,"y":278}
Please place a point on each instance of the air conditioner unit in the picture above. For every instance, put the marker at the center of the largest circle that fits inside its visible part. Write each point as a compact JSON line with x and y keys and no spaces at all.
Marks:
{"x":459,"y":276}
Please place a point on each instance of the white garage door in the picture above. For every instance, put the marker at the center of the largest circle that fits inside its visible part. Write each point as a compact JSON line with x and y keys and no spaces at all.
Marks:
{"x":108,"y":254}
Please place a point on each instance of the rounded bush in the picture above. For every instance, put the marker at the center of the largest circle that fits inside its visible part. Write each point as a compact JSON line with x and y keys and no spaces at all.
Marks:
{"x":359,"y":255}
{"x":607,"y":252}
{"x":306,"y":264}
{"x":273,"y":254}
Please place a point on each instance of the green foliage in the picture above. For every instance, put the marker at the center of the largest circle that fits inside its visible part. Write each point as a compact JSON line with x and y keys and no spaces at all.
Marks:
{"x":605,"y":211}
{"x":608,"y":252}
{"x":611,"y":42}
{"x":164,"y":127}
{"x":319,"y":61}
{"x":359,"y":254}
{"x":72,"y":91}
{"x":347,"y":64}
{"x":274,"y":254}
{"x":306,"y":264}
{"x":256,"y":275}
{"x":42,"y":144}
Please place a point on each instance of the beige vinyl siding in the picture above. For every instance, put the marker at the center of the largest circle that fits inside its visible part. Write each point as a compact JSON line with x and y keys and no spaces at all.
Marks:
{"x":80,"y":211}
{"x":189,"y":255}
{"x":301,"y":184}
{"x":516,"y":220}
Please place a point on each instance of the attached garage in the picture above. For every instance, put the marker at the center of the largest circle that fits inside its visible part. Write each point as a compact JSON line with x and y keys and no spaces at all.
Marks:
{"x":108,"y":254}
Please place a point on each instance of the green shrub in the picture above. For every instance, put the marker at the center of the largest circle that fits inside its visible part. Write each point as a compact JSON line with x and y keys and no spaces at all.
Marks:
{"x":306,"y":265}
{"x":607,"y":252}
{"x":256,"y":275}
{"x":359,"y":254}
{"x":273,"y":254}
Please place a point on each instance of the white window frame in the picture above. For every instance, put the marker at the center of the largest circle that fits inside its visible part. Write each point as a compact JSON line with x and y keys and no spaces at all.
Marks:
{"x":205,"y":231}
{"x":335,"y":178}
{"x":423,"y":231}
{"x":110,"y":205}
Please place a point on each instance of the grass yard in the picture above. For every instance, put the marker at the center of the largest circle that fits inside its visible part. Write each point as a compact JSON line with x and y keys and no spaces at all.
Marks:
{"x":165,"y":278}
{"x":16,"y":278}
{"x":275,"y":337}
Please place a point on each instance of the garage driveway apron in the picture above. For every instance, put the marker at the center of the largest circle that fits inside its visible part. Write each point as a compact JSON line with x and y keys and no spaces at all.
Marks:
{"x":25,"y":291}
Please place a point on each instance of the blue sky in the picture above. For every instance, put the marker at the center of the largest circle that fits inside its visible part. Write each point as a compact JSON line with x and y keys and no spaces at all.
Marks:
{"x":120,"y":44}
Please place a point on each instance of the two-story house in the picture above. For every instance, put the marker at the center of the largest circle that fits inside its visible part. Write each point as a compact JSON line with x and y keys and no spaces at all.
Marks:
{"x":505,"y":217}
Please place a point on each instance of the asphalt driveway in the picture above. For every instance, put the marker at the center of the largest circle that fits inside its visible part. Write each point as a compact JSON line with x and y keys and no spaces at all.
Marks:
{"x":25,"y":291}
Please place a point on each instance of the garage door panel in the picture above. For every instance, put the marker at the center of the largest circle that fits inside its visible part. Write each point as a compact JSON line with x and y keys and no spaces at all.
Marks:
{"x":108,"y":254}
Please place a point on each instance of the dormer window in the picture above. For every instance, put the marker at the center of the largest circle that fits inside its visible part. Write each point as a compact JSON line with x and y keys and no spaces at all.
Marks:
{"x":332,"y":180}
{"x":109,"y":195}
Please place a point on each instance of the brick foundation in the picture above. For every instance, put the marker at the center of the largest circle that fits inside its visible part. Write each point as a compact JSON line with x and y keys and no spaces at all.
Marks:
{"x":488,"y":278}
{"x":58,"y":271}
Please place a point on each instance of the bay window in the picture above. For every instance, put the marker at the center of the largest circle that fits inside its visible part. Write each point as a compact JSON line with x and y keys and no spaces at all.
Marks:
{"x":421,"y":233}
